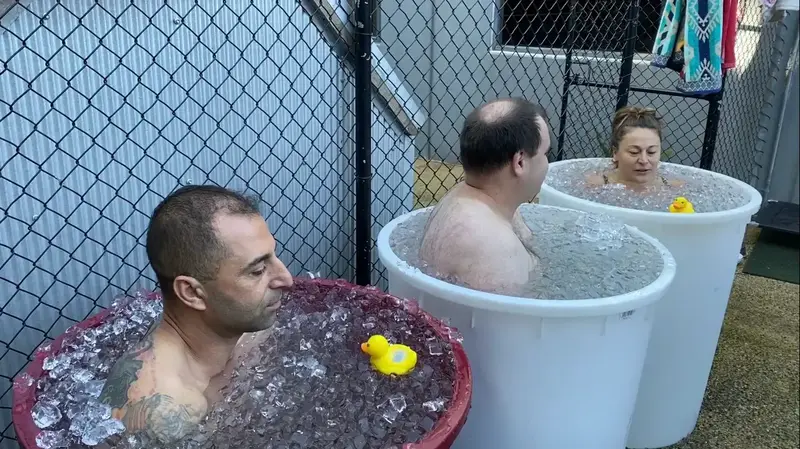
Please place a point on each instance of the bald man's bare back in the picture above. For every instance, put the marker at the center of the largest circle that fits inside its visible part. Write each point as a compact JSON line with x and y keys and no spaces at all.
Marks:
{"x":467,"y":240}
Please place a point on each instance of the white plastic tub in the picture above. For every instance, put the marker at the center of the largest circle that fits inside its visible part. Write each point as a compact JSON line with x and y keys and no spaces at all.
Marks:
{"x":548,"y":374}
{"x":685,"y":335}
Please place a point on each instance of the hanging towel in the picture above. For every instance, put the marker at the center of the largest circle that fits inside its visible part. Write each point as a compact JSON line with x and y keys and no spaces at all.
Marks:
{"x":689,"y":40}
{"x":730,"y":20}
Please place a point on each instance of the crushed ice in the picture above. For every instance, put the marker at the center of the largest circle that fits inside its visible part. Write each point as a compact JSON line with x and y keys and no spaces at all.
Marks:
{"x":706,"y":192}
{"x":67,"y":409}
{"x":582,"y":256}
{"x":307,"y":386}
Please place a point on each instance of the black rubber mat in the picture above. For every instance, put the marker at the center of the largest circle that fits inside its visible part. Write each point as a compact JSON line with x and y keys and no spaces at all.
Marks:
{"x":776,"y":255}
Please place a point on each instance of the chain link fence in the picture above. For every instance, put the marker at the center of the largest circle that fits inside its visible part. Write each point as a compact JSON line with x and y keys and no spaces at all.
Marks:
{"x":569,"y":56}
{"x":107,"y":106}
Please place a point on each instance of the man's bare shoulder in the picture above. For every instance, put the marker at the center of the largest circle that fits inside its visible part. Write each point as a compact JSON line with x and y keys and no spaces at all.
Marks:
{"x":146,"y":392}
{"x":166,"y":416}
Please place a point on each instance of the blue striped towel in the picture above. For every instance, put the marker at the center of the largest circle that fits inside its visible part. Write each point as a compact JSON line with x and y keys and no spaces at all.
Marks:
{"x":689,"y":41}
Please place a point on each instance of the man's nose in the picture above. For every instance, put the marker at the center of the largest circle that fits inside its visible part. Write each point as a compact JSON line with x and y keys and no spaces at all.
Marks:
{"x":283,"y":278}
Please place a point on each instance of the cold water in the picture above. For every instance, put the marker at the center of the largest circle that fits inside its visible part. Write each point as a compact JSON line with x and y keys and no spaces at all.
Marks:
{"x":706,"y":192}
{"x":582,"y":256}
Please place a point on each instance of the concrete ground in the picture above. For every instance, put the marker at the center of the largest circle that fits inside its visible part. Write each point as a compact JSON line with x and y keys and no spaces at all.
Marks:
{"x":752,"y":400}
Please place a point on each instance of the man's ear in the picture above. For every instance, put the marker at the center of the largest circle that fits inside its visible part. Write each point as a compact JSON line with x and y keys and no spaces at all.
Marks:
{"x":190,"y":292}
{"x":518,"y":162}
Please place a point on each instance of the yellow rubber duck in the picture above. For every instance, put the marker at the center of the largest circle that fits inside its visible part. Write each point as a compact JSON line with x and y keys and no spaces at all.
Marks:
{"x":681,"y":206}
{"x":389,"y":358}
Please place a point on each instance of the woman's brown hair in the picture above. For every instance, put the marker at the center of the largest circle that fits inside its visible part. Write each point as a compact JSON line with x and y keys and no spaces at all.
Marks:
{"x":631,"y":117}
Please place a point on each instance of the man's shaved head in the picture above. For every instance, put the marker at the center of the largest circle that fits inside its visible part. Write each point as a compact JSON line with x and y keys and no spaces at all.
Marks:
{"x":182,"y":239}
{"x":497,"y":130}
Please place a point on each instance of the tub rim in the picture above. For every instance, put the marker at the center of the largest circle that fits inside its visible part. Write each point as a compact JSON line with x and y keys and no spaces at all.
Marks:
{"x":545,"y":308}
{"x":443,"y":434}
{"x":662,"y":217}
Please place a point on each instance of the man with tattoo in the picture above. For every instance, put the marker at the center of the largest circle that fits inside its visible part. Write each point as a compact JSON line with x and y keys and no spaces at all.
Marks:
{"x":475,"y":233}
{"x":214,"y":258}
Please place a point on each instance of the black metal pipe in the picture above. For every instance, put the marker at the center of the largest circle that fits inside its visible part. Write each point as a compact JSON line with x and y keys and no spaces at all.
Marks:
{"x":671,"y":93}
{"x":562,"y":119}
{"x":626,"y":70}
{"x":712,"y":125}
{"x":363,"y":139}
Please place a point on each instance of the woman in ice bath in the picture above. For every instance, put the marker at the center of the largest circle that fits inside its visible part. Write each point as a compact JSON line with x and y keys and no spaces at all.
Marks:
{"x":635,"y":151}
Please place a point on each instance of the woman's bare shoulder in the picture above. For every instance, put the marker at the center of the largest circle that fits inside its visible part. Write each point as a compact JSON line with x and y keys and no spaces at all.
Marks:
{"x":595,"y":179}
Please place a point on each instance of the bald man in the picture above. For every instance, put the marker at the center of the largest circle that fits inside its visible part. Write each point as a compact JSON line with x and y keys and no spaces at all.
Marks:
{"x":475,"y":233}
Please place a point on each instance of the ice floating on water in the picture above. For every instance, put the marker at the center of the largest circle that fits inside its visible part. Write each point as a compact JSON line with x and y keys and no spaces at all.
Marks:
{"x":307,"y":386}
{"x":707,"y":193}
{"x":583,"y":256}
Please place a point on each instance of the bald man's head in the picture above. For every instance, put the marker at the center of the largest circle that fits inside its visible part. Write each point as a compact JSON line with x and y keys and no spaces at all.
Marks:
{"x":497,"y":130}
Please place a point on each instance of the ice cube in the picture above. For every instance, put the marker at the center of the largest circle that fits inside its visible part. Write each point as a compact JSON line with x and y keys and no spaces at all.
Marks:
{"x":277,"y":383}
{"x":455,"y":335}
{"x":359,"y":442}
{"x":390,"y":415}
{"x":369,"y":323}
{"x":45,"y":414}
{"x":93,"y":388}
{"x":139,"y":317}
{"x":269,"y":412}
{"x":81,"y":375}
{"x":300,"y":439}
{"x":92,"y":413}
{"x":101,"y":431}
{"x":120,"y":326}
{"x":435,"y":405}
{"x":398,"y":402}
{"x":52,"y":439}
{"x":339,"y":313}
{"x":426,"y":424}
{"x":435,"y":348}
{"x":257,"y":395}
{"x":53,"y":362}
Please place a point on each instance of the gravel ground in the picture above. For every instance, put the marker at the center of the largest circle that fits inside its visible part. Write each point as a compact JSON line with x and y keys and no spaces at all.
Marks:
{"x":752,"y":400}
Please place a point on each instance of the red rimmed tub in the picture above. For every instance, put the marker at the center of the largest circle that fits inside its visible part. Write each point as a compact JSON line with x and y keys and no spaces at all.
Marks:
{"x":441,"y":436}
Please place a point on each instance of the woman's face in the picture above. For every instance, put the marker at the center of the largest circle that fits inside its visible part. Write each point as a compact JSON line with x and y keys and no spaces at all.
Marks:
{"x":638,"y":155}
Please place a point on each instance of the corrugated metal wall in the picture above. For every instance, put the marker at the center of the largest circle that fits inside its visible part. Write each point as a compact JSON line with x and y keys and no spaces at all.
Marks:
{"x":107,"y":106}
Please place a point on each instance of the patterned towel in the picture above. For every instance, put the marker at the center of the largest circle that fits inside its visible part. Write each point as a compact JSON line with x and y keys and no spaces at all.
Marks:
{"x":689,"y":41}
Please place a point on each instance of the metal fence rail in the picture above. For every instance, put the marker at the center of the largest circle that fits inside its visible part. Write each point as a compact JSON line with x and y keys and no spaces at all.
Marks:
{"x":107,"y":106}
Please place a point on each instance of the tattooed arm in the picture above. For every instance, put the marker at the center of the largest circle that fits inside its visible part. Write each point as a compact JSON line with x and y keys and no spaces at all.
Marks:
{"x":147,"y":399}
{"x":125,"y":373}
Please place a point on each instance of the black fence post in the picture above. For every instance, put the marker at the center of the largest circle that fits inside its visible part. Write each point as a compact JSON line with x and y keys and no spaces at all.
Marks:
{"x":626,"y":70}
{"x":363,"y":140}
{"x":712,"y":124}
{"x":562,"y":119}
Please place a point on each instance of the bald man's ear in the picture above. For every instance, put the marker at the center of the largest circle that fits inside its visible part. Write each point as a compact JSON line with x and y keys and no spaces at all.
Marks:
{"x":518,"y":162}
{"x":190,"y":292}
